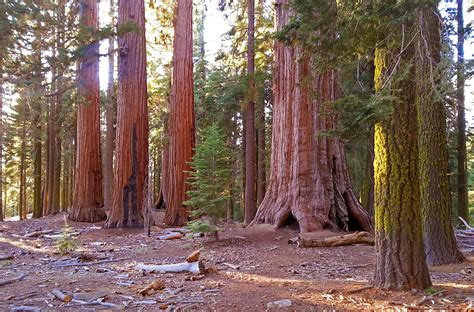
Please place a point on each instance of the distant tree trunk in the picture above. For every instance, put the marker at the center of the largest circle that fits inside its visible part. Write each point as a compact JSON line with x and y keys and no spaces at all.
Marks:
{"x":109,"y":132}
{"x":87,"y":205}
{"x":308,"y":173}
{"x":131,"y":161}
{"x":1,"y":142}
{"x":440,"y":242}
{"x":400,"y":258}
{"x":22,"y":189}
{"x":181,"y":127}
{"x":250,"y":164}
{"x":463,"y":207}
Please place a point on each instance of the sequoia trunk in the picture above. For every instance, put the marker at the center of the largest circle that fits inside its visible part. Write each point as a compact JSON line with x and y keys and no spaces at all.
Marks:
{"x":131,"y":161}
{"x":181,"y":123}
{"x":308,"y":173}
{"x":87,"y":203}
{"x":250,"y":206}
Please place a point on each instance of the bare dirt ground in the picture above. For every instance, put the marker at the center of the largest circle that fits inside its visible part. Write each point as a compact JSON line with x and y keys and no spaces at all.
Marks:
{"x":255,"y":269}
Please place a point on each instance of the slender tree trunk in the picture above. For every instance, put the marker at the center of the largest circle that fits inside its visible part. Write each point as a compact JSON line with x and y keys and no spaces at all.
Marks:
{"x":309,"y":179}
{"x":131,"y":161}
{"x":51,"y":151}
{"x":400,"y":256}
{"x":439,"y":239}
{"x":109,"y":118}
{"x":250,"y":164}
{"x":22,"y":193}
{"x":463,"y":207}
{"x":261,"y":174}
{"x":181,"y":124}
{"x":87,"y":200}
{"x":1,"y":141}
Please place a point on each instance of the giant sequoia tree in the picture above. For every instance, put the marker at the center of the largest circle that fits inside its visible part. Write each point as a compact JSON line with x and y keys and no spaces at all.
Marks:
{"x":87,"y":205}
{"x":131,"y":161}
{"x":308,"y":173}
{"x":181,"y":128}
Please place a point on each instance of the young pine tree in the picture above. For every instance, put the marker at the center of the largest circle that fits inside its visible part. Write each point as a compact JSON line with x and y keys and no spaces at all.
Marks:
{"x":209,"y":180}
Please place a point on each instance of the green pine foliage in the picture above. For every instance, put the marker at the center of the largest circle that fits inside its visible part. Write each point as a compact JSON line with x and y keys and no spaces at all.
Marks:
{"x":210,"y":180}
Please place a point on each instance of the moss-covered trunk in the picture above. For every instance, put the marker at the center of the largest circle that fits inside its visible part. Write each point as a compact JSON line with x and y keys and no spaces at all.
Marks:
{"x":400,"y":258}
{"x":439,"y":239}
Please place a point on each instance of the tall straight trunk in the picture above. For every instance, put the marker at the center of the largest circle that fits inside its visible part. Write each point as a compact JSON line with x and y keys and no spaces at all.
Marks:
{"x":250,"y":164}
{"x":463,"y":207}
{"x":87,"y":205}
{"x":181,"y":123}
{"x":1,"y":141}
{"x":51,"y":151}
{"x":309,"y":180}
{"x":261,"y":172}
{"x":131,"y":161}
{"x":400,"y":258}
{"x":22,"y":189}
{"x":109,"y":119}
{"x":440,"y":242}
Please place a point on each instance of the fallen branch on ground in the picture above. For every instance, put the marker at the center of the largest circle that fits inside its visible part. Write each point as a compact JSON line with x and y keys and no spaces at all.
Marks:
{"x":61,"y":296}
{"x":38,"y":233}
{"x":192,"y":267}
{"x":88,"y":263}
{"x":95,"y":302}
{"x":335,"y":241}
{"x":354,"y":291}
{"x":12,"y":280}
{"x":470,"y":228}
{"x":170,"y":236}
{"x":6,"y":257}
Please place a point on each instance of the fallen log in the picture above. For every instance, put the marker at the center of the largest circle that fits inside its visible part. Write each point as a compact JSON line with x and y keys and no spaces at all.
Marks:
{"x":12,"y":280}
{"x":6,"y":257}
{"x":38,"y":233}
{"x":61,"y":296}
{"x":335,"y":241}
{"x":470,"y":228}
{"x":192,"y":267}
{"x":170,"y":236}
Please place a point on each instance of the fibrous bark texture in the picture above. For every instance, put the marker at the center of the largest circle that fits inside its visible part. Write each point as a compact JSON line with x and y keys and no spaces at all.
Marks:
{"x":250,"y":157}
{"x":440,"y":242}
{"x":131,"y":157}
{"x":463,"y":207}
{"x":181,"y":127}
{"x":308,"y":173}
{"x":109,"y":118}
{"x":400,"y":257}
{"x":88,"y":202}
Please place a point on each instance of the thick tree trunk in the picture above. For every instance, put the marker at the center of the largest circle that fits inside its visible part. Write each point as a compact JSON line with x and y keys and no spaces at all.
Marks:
{"x":250,"y":164}
{"x":131,"y":161}
{"x":400,"y":257}
{"x":88,"y":203}
{"x":440,"y":242}
{"x":109,"y":132}
{"x":463,"y":207}
{"x":308,"y":173}
{"x":181,"y":127}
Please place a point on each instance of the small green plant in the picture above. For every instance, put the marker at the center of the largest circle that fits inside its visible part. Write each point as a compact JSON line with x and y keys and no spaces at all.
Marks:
{"x":431,"y":291}
{"x":210,"y":181}
{"x":65,"y":243}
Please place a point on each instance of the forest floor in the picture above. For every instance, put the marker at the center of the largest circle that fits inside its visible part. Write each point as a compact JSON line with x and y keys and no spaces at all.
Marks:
{"x":255,"y":270}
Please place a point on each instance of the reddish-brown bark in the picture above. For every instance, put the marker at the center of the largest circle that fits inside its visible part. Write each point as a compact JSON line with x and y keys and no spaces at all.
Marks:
{"x":109,"y":132}
{"x":308,"y":173}
{"x":181,"y":124}
{"x":88,"y":202}
{"x":250,"y":164}
{"x":131,"y":159}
